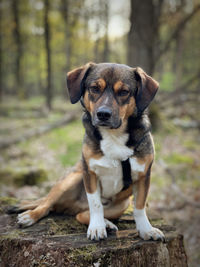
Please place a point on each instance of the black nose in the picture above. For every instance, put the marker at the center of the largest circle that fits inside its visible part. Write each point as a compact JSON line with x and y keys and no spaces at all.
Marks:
{"x":104,"y":113}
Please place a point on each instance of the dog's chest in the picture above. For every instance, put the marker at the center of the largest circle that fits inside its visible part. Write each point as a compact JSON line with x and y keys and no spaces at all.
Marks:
{"x":109,"y":173}
{"x":114,"y":146}
{"x":109,"y":168}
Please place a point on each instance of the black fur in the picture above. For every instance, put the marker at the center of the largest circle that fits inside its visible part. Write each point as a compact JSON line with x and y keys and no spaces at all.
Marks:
{"x":126,"y":170}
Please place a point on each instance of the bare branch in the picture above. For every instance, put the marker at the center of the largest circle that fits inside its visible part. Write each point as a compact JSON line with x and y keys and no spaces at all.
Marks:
{"x":39,"y":131}
{"x":178,"y":29}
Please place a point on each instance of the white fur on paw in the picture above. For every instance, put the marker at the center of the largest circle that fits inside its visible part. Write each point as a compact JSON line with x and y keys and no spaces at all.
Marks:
{"x":24,"y":219}
{"x":154,"y":234}
{"x":96,"y":232}
{"x":110,"y":225}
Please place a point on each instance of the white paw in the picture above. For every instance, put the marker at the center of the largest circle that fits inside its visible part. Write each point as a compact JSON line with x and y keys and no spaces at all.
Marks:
{"x":110,"y":225}
{"x":153,"y":233}
{"x":96,"y":232}
{"x":24,"y":219}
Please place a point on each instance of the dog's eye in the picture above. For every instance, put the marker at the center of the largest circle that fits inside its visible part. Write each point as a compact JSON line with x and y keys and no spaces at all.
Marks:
{"x":94,"y":90}
{"x":123,"y":93}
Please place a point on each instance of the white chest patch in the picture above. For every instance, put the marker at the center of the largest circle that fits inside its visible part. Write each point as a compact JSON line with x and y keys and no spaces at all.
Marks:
{"x":109,"y":168}
{"x":109,"y":172}
{"x":114,"y":145}
{"x":135,"y":168}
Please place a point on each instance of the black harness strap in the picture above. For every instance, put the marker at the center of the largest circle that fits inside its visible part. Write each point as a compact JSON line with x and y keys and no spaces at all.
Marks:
{"x":126,"y":170}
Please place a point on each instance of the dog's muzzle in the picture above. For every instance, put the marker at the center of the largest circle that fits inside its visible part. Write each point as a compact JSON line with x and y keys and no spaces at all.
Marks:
{"x":104,"y":117}
{"x":104,"y":114}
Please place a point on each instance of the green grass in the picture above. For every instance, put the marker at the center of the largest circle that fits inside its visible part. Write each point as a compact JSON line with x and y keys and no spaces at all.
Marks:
{"x":167,"y":82}
{"x":176,"y":158}
{"x":67,"y":142}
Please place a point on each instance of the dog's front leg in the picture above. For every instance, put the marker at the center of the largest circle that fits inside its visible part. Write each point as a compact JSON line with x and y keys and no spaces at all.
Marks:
{"x":97,"y":226}
{"x":140,"y":190}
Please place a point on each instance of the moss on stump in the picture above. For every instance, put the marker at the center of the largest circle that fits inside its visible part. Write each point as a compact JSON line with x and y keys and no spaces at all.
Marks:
{"x":59,"y":240}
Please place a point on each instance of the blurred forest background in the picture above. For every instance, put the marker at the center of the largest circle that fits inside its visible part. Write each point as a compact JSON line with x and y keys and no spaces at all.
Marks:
{"x":41,"y":132}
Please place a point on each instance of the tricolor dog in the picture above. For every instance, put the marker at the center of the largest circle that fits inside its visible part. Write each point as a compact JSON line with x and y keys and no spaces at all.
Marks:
{"x":117,"y":152}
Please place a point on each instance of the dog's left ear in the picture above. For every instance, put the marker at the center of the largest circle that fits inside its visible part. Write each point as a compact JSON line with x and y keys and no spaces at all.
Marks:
{"x":75,"y":80}
{"x":147,"y":88}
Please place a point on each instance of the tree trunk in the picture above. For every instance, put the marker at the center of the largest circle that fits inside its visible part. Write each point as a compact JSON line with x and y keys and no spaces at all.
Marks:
{"x":1,"y":54}
{"x":179,"y":48}
{"x":19,"y":49}
{"x":143,"y":34}
{"x":47,"y":36}
{"x":65,"y":7}
{"x":106,"y":40}
{"x":59,"y":240}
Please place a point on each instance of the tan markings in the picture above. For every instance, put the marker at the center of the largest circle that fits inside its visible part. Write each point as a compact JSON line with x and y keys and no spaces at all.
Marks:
{"x":90,"y":181}
{"x":118,"y":85}
{"x":142,"y":191}
{"x":113,"y":212}
{"x":89,"y":177}
{"x":101,"y":83}
{"x":130,"y":108}
{"x":86,"y":101}
{"x":117,"y":209}
{"x":127,"y":110}
{"x":63,"y":194}
{"x":143,"y":182}
{"x":83,"y":217}
{"x":118,"y":132}
{"x":38,"y":213}
{"x":89,"y":153}
{"x":124,"y":194}
{"x":147,"y":160}
{"x":92,"y":107}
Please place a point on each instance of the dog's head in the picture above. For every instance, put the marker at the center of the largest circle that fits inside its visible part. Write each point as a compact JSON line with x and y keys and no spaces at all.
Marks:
{"x":111,"y":92}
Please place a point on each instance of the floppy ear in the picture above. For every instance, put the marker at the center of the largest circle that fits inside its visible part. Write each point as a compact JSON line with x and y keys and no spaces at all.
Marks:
{"x":75,"y":80}
{"x":147,"y":88}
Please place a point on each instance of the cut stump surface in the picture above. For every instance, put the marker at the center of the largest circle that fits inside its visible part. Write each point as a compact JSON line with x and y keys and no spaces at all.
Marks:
{"x":61,"y":241}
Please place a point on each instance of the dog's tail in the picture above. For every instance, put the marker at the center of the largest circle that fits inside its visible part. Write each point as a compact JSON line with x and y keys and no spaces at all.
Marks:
{"x":24,"y":205}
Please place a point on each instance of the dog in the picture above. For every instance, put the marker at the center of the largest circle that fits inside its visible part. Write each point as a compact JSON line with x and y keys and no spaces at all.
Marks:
{"x":117,"y":152}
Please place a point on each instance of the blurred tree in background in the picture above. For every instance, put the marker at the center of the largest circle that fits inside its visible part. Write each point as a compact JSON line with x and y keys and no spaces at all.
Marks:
{"x":41,"y":40}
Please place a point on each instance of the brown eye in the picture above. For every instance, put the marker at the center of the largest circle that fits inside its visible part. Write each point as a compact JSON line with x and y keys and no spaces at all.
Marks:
{"x":94,"y":90}
{"x":123,"y":93}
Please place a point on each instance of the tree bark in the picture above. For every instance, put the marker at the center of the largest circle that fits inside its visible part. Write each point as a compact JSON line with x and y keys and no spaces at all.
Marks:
{"x":65,"y":7}
{"x":144,"y":43}
{"x":47,"y":36}
{"x":61,"y":241}
{"x":19,"y":48}
{"x":143,"y":34}
{"x":106,"y":39}
{"x":1,"y":54}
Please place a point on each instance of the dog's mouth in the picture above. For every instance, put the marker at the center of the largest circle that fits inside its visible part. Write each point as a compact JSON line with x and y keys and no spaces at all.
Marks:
{"x":107,"y":124}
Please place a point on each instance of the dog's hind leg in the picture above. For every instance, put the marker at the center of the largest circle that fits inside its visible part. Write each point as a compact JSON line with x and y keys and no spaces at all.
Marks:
{"x":62,"y":194}
{"x":24,"y":205}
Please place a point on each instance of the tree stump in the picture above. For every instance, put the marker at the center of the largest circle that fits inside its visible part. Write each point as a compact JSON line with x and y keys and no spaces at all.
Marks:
{"x":59,"y":240}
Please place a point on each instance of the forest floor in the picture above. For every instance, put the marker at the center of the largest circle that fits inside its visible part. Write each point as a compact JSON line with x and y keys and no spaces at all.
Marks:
{"x":29,"y":169}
